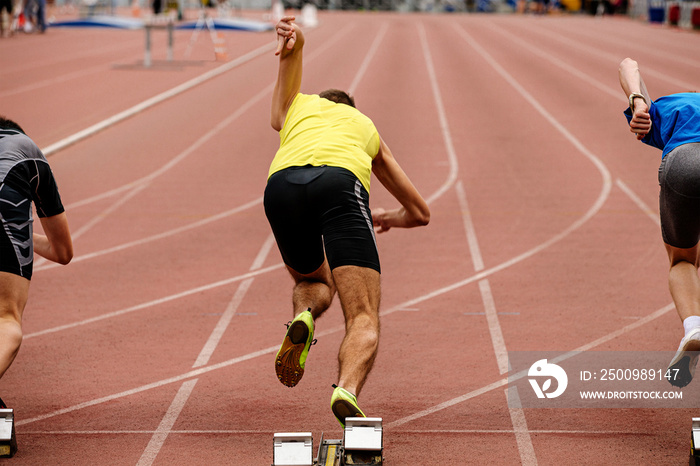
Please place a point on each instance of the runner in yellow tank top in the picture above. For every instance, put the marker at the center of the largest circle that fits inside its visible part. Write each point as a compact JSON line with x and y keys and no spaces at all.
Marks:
{"x":317,"y":203}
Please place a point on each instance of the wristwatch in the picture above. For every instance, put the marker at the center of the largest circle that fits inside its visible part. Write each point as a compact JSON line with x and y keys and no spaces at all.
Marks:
{"x":633,"y":96}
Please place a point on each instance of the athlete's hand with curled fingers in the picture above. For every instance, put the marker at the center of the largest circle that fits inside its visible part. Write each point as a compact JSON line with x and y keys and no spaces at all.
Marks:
{"x":379,"y":220}
{"x":286,"y":34}
{"x":640,"y":124}
{"x":384,"y":220}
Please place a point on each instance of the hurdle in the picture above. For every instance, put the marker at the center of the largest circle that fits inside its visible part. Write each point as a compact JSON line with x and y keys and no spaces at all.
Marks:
{"x":160,"y":22}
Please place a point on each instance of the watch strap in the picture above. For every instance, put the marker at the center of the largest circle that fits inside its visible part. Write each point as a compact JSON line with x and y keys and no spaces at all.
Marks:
{"x":633,"y":96}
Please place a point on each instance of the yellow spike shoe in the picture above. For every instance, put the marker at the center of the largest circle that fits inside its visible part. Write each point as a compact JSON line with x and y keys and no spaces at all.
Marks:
{"x":344,"y":404}
{"x":291,"y":358}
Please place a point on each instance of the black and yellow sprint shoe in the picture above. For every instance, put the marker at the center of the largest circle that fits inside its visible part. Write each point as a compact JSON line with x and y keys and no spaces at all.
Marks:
{"x":344,"y":404}
{"x":291,"y":358}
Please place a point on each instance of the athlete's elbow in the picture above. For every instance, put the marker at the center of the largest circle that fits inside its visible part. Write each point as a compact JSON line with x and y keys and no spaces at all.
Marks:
{"x":64,"y":259}
{"x":276,"y":118}
{"x":421,"y":217}
{"x":64,"y":255}
{"x":424,"y":219}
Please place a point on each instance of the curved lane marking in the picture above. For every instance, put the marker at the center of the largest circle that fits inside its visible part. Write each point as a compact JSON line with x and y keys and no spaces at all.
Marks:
{"x":485,"y":273}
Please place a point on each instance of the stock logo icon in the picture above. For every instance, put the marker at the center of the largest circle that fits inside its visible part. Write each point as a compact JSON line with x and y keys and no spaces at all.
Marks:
{"x":542,"y":370}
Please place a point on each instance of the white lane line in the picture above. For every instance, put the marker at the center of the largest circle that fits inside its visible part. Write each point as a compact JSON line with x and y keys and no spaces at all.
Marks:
{"x":104,"y":213}
{"x":504,"y":381}
{"x":611,"y":57}
{"x":158,"y":236}
{"x":34,"y":66}
{"x":155,"y":302}
{"x":177,"y":378}
{"x":535,"y":50}
{"x":272,"y":349}
{"x":534,"y":431}
{"x":80,"y":135}
{"x":522,"y":433}
{"x":548,"y":116}
{"x":407,"y":304}
{"x":182,"y":155}
{"x":525,"y":447}
{"x":637,"y":200}
{"x":494,"y":326}
{"x":497,"y":340}
{"x":368,"y":58}
{"x":42,"y":263}
{"x":52,"y":81}
{"x":166,"y":424}
{"x":444,"y":126}
{"x":474,"y":249}
{"x":232,"y":308}
{"x":626,"y":41}
{"x":138,"y":185}
{"x":524,"y":441}
{"x":477,"y":259}
{"x":222,"y":324}
{"x":595,"y":83}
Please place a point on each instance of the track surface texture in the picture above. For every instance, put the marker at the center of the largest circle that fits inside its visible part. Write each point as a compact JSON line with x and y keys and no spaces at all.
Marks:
{"x":156,"y":344}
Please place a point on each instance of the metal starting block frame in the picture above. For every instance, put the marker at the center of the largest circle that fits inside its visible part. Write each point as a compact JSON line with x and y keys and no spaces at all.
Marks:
{"x":362,"y":444}
{"x":695,"y":443}
{"x":8,"y":442}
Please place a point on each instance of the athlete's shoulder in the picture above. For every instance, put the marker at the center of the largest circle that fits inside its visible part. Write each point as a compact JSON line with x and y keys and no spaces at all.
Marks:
{"x":18,"y":143}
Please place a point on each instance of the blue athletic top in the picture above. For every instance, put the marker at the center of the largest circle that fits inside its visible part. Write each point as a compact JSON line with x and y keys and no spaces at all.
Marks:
{"x":675,"y":120}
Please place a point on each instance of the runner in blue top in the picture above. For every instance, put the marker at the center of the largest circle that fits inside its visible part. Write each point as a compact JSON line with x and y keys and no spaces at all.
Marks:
{"x":672,"y":124}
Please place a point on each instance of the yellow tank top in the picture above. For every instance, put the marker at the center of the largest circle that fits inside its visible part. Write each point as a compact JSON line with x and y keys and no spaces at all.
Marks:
{"x":320,"y":132}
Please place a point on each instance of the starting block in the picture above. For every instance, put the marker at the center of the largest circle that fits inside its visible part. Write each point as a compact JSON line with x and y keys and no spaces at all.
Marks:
{"x":8,"y":442}
{"x":362,"y":444}
{"x":695,"y":443}
{"x":293,"y":449}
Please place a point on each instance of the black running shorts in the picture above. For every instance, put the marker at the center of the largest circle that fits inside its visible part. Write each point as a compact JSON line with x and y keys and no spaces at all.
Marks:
{"x":679,"y":196}
{"x":311,"y":208}
{"x":16,"y":247}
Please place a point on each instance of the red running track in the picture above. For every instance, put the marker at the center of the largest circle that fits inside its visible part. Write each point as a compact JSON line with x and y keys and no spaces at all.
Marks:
{"x":156,"y":345}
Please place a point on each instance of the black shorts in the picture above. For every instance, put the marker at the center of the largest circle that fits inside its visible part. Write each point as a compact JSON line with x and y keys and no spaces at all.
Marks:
{"x":310,"y":208}
{"x":679,"y":196}
{"x":16,"y":246}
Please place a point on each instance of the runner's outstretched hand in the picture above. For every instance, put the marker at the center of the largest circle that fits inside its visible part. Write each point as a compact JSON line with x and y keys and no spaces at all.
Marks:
{"x":286,"y":34}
